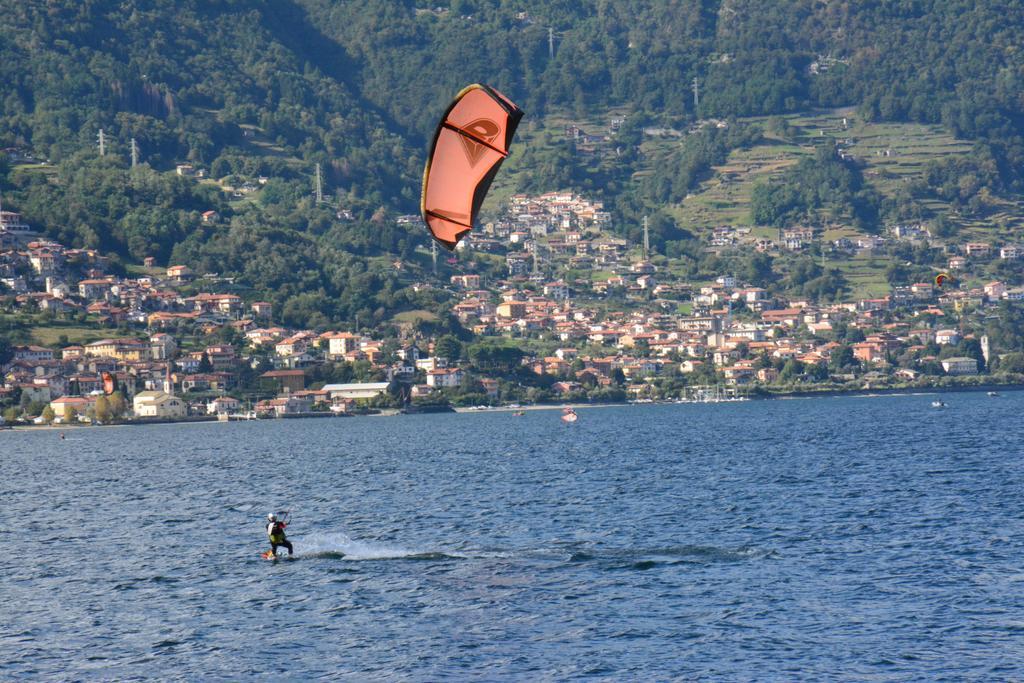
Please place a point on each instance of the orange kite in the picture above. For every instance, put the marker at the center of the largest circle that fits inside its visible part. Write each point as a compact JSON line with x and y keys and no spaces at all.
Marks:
{"x":471,"y":141}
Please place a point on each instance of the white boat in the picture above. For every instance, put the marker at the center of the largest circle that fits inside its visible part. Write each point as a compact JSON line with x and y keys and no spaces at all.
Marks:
{"x":938,"y":404}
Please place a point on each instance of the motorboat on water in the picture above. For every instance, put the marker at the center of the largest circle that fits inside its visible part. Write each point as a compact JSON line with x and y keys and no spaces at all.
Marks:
{"x":993,"y":393}
{"x":938,"y":404}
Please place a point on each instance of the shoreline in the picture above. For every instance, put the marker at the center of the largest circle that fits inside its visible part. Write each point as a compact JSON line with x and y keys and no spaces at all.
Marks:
{"x":763,"y":395}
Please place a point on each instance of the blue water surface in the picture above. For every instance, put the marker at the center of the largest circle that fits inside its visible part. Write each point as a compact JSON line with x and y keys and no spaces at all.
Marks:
{"x":867,"y":538}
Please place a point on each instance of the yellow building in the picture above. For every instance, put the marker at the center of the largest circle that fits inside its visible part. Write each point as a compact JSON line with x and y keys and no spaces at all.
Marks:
{"x":121,"y":349}
{"x":158,"y":404}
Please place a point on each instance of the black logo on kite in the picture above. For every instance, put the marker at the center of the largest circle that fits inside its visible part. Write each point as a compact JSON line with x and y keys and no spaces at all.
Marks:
{"x":483,"y":129}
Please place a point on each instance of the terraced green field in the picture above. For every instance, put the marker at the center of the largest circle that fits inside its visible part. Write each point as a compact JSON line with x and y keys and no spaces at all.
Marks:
{"x":865,"y":274}
{"x":724,"y":199}
{"x":892,"y":155}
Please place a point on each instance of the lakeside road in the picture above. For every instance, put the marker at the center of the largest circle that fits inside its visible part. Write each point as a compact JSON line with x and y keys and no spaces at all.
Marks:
{"x":544,"y":406}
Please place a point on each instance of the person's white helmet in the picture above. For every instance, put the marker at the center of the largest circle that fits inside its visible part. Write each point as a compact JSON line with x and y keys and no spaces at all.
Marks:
{"x":272,"y":517}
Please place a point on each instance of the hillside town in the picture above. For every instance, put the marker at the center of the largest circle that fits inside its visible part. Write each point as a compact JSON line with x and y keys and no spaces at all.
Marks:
{"x":170,"y":345}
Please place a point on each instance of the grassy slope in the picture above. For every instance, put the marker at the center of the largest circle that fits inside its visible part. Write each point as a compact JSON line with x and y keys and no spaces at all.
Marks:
{"x":50,"y":336}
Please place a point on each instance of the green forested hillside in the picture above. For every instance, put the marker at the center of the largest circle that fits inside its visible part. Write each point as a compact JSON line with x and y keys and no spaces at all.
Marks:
{"x":251,"y":88}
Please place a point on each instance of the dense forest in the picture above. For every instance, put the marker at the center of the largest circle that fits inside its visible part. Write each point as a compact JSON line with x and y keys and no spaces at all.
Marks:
{"x":250,"y":88}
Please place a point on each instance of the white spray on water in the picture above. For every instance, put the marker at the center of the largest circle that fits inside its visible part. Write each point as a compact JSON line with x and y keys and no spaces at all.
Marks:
{"x":328,"y":544}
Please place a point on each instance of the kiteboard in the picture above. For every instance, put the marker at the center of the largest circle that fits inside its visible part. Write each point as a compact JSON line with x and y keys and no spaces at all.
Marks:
{"x":269,"y":555}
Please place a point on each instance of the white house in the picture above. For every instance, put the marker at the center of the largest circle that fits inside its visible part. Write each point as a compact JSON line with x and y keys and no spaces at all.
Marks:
{"x":223,"y":405}
{"x":355,"y":390}
{"x":431,"y":364}
{"x":447,"y":377}
{"x":960,"y":366}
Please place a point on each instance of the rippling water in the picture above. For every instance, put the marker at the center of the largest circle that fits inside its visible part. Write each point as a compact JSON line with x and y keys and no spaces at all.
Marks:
{"x":826,"y":539}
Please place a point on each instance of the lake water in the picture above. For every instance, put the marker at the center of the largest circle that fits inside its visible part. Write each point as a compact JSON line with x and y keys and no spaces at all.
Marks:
{"x":827,"y":539}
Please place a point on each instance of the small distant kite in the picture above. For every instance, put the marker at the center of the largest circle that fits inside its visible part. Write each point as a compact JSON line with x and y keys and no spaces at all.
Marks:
{"x":109,"y":383}
{"x":471,"y":141}
{"x":943,"y":279}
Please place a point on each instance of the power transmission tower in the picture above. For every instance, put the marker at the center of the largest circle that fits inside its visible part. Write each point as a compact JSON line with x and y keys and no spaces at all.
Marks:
{"x":103,"y":143}
{"x":647,"y":241}
{"x":319,"y":185}
{"x":695,"y":86}
{"x":551,"y":43}
{"x":135,"y":153}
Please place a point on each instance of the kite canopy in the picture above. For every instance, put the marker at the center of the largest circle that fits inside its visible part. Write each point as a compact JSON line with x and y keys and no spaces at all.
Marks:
{"x":109,"y":383}
{"x":941,"y":279}
{"x":470,"y":143}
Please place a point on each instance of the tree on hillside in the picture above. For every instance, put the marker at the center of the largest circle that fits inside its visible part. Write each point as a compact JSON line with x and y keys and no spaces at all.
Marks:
{"x":448,"y":347}
{"x":791,"y":371}
{"x":1011,"y":362}
{"x":102,"y":411}
{"x":491,"y":356}
{"x":842,"y":359}
{"x":758,"y":270}
{"x":823,"y":184}
{"x":204,"y":364}
{"x":118,"y":405}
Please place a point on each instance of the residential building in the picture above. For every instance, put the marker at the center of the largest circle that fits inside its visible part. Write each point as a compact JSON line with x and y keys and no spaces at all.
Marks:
{"x":284,"y":381}
{"x":444,"y":377}
{"x":121,"y":349}
{"x":223,"y":405}
{"x":262,"y":309}
{"x":158,"y":404}
{"x":80,"y":404}
{"x":180,"y":273}
{"x":32,"y":353}
{"x":340,"y":343}
{"x":355,"y":390}
{"x":960,"y":366}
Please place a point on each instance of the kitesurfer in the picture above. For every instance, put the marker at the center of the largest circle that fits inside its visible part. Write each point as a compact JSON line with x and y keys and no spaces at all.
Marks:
{"x":275,"y":530}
